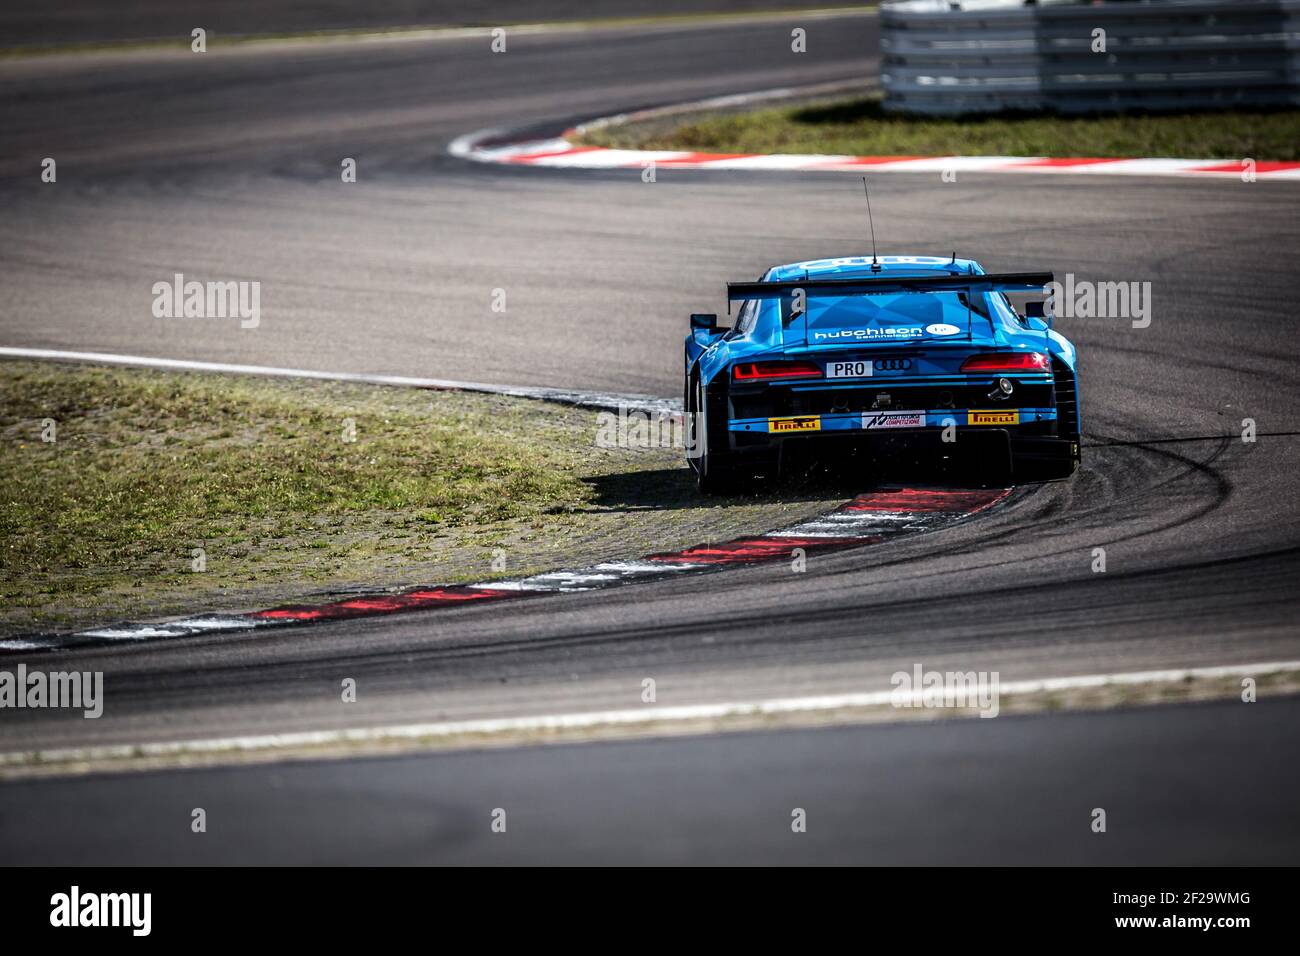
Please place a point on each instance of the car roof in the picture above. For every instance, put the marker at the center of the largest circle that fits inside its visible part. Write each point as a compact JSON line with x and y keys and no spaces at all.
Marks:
{"x":851,"y":267}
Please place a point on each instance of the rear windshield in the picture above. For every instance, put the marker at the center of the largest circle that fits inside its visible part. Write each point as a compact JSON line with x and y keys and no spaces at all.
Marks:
{"x":904,"y":309}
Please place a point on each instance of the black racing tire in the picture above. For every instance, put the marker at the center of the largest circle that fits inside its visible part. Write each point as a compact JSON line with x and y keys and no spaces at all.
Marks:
{"x":715,"y":473}
{"x":1065,"y":399}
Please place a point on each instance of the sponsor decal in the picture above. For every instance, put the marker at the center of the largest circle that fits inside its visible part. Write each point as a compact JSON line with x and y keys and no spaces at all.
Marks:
{"x":805,"y":423}
{"x":848,"y":369}
{"x":993,"y":417}
{"x":942,"y":328}
{"x":893,"y":419}
{"x":892,"y":332}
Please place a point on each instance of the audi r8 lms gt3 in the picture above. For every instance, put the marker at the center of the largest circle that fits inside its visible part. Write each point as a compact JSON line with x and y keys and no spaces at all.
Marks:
{"x":871,"y":356}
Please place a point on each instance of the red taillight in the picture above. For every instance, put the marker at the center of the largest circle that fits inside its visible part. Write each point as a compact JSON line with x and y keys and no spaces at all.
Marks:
{"x":1007,"y":362}
{"x":762,"y":371}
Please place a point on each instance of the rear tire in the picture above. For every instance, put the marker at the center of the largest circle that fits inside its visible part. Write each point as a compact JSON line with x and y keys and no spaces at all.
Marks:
{"x":714,"y":472}
{"x":1065,"y":400}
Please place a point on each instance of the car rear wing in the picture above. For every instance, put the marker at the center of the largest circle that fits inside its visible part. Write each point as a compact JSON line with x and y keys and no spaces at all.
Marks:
{"x":890,"y":285}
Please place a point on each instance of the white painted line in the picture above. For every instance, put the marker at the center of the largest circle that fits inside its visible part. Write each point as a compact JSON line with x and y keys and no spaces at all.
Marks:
{"x":552,"y":581}
{"x":1144,"y":167}
{"x":729,"y":101}
{"x":215,"y":623}
{"x":560,"y":154}
{"x":863,"y":524}
{"x":240,"y":44}
{"x":521,"y":149}
{"x":564,"y":396}
{"x":588,"y":579}
{"x":938,"y":164}
{"x":604,"y":718}
{"x":828,"y":529}
{"x":134,"y":632}
{"x":767,"y":161}
{"x":646,"y":567}
{"x":24,"y":644}
{"x":607,"y":158}
{"x":267,"y":370}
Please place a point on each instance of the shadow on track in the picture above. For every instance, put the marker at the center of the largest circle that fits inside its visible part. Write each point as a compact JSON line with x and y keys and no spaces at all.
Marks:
{"x":674,"y":488}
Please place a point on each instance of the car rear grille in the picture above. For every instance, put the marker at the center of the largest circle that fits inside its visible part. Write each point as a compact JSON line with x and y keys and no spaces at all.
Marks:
{"x":1067,"y":404}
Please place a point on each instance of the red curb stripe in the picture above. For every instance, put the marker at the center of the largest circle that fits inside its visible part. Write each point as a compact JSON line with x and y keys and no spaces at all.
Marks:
{"x":927,"y":500}
{"x":752,"y":550}
{"x":879,"y":160}
{"x":1068,"y":162}
{"x":1234,"y":166}
{"x":530,"y":157}
{"x":917,"y":504}
{"x":703,"y":158}
{"x":381,"y":604}
{"x":487,"y":146}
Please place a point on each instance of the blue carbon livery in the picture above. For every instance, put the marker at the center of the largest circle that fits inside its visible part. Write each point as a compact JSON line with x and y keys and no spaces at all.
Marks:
{"x":876,"y":355}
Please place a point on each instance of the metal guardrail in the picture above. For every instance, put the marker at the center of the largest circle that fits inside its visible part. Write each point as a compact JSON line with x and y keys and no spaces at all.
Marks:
{"x":1160,"y":56}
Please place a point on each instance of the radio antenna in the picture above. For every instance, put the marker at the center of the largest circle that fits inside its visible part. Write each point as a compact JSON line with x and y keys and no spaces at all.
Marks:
{"x":875,"y":262}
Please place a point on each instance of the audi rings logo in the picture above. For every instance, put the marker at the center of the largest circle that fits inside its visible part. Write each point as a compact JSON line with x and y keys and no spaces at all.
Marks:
{"x":891,"y":365}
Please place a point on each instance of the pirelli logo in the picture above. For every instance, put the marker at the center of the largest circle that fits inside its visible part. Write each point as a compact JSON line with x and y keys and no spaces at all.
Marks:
{"x":808,"y":423}
{"x":993,"y":418}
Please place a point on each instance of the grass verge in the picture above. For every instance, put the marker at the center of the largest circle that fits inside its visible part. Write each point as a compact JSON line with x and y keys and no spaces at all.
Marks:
{"x":861,"y":127}
{"x":103,"y":522}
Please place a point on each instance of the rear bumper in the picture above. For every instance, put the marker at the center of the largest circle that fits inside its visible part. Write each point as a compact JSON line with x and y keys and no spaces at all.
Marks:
{"x":1029,"y":438}
{"x":1045,"y":450}
{"x":1027,"y":421}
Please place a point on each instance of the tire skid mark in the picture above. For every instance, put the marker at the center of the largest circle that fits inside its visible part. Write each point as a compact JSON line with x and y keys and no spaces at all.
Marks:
{"x":868,"y":519}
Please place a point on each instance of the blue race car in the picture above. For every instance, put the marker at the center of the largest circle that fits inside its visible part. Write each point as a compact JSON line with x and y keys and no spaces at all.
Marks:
{"x":872,"y":357}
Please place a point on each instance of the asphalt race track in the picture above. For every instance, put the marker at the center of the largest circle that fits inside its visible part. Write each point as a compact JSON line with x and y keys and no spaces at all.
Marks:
{"x":228,"y":164}
{"x":966,"y":792}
